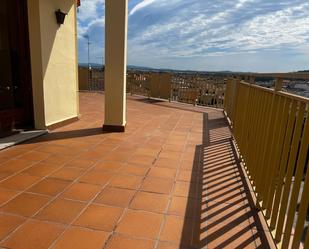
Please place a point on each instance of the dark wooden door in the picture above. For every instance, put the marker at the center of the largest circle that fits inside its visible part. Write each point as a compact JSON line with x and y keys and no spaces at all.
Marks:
{"x":16,"y":108}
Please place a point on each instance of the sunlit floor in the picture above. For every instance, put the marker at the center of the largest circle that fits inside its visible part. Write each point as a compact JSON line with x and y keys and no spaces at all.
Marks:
{"x":170,"y":181}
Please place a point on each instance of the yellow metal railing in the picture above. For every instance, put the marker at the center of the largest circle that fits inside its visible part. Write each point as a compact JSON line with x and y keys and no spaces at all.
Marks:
{"x":193,"y":89}
{"x":197,"y":89}
{"x":271,"y":130}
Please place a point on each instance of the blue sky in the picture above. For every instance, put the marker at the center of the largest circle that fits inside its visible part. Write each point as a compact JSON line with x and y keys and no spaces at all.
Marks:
{"x":238,"y":35}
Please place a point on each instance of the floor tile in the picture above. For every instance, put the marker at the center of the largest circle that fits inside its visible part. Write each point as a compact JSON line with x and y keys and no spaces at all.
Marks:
{"x":50,"y":147}
{"x":142,"y":160}
{"x":169,"y":245}
{"x":189,"y":165}
{"x":79,"y":163}
{"x":49,"y":186}
{"x":162,"y":172}
{"x":226,"y":195}
{"x":118,"y":197}
{"x":157,"y":185}
{"x":126,"y":181}
{"x":167,"y":163}
{"x":68,"y":173}
{"x":177,"y":230}
{"x":140,"y":224}
{"x":223,"y":184}
{"x":25,"y":204}
{"x":81,"y":238}
{"x":15,"y":165}
{"x":230,"y":237}
{"x":121,"y":242}
{"x":14,"y":152}
{"x":186,"y":189}
{"x":175,"y":148}
{"x":6,"y":195}
{"x":103,"y":148}
{"x":4,"y":175}
{"x":170,"y":155}
{"x":9,"y":223}
{"x":130,"y":169}
{"x":187,"y":176}
{"x":92,"y":156}
{"x":183,"y":206}
{"x":113,"y":166}
{"x":61,"y":211}
{"x":98,"y":177}
{"x":41,"y":169}
{"x":147,"y":152}
{"x":34,"y":156}
{"x":98,"y":217}
{"x":152,"y":202}
{"x":19,"y":182}
{"x":81,"y":191}
{"x":57,"y":159}
{"x":118,"y":156}
{"x":221,"y":214}
{"x":34,"y":235}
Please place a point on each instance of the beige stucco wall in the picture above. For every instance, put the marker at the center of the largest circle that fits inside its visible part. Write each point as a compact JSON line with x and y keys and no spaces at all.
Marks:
{"x":54,"y":61}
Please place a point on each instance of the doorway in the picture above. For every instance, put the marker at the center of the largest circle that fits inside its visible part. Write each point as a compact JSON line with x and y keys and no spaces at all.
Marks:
{"x":16,"y":107}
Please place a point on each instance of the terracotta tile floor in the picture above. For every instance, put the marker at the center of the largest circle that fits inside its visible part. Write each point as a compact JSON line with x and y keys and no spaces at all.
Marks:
{"x":170,"y":181}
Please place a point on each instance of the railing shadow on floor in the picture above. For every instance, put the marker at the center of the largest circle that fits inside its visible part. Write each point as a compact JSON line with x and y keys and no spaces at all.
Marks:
{"x":221,"y":213}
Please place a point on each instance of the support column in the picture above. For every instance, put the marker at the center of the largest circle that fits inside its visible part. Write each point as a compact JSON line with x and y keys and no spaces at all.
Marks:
{"x":37,"y":74}
{"x":116,"y":25}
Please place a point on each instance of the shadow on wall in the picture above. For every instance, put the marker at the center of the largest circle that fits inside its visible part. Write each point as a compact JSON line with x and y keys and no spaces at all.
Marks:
{"x":220,"y":213}
{"x":52,"y":61}
{"x":51,"y":28}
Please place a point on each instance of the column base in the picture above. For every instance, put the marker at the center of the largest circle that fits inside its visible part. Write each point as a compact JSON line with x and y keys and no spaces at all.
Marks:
{"x":114,"y":128}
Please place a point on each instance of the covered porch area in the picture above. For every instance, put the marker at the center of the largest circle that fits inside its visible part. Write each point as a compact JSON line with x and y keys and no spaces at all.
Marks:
{"x":172,"y":180}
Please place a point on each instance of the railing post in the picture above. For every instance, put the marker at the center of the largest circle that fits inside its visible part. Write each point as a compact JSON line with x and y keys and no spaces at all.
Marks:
{"x":278,"y":84}
{"x":235,"y":83}
{"x":252,"y":80}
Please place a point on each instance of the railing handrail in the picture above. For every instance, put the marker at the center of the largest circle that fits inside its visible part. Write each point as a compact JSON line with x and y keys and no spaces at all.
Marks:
{"x":300,"y":76}
{"x":286,"y":94}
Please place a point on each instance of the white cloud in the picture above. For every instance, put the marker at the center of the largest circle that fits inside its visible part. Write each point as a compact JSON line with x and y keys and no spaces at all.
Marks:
{"x":88,"y":9}
{"x":141,"y":5}
{"x":181,"y":31}
{"x":97,"y":22}
{"x":89,"y":16}
{"x":287,"y":27}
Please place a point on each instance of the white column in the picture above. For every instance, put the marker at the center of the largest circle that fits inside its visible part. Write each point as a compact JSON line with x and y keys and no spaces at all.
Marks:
{"x":116,"y":25}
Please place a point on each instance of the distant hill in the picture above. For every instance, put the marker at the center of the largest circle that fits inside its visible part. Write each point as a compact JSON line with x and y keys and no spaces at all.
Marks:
{"x":97,"y":65}
{"x":167,"y":70}
{"x":93,"y":65}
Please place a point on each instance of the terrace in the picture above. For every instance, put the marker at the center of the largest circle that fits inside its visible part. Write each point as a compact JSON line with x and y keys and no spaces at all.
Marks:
{"x":180,"y":175}
{"x":172,"y":180}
